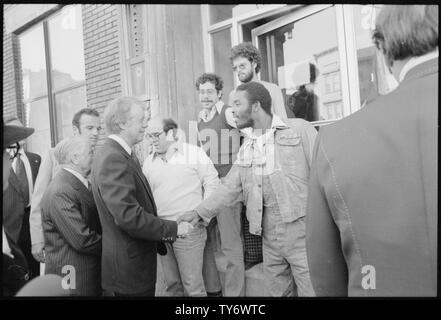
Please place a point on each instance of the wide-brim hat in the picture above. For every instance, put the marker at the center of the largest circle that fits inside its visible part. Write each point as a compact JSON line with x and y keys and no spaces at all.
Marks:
{"x":12,"y":134}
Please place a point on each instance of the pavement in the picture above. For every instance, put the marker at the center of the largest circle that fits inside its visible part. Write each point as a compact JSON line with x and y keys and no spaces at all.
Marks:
{"x":254,"y":283}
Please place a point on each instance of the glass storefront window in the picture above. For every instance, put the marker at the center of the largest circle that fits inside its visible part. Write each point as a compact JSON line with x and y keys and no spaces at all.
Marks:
{"x":66,"y":47}
{"x":303,"y":58}
{"x":33,"y":63}
{"x":63,"y":32}
{"x":38,"y":115}
{"x":222,"y":64}
{"x":220,"y":12}
{"x":373,"y":75}
{"x":67,"y":104}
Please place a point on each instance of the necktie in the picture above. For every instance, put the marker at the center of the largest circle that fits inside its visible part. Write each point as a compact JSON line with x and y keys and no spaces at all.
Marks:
{"x":20,"y":171}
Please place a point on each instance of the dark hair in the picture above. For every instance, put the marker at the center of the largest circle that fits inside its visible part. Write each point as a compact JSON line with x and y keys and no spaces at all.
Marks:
{"x":169,"y":124}
{"x":257,"y":92}
{"x":77,"y":116}
{"x":210,"y":77}
{"x":404,"y":31}
{"x":248,"y":51}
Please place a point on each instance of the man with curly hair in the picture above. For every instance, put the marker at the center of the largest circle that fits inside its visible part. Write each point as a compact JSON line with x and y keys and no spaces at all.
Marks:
{"x":223,"y":257}
{"x":246,"y":61}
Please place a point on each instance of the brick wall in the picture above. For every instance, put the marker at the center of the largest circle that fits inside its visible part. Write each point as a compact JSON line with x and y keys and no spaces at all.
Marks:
{"x":101,"y":51}
{"x":12,"y":89}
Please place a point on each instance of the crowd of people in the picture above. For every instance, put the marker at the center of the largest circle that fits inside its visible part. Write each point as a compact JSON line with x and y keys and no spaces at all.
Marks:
{"x":350,"y":210}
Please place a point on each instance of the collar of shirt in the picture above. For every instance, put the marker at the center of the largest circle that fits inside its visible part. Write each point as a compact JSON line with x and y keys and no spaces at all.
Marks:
{"x":254,"y":149}
{"x":217,"y":107}
{"x":413,"y":62}
{"x":172,"y":149}
{"x":122,"y":142}
{"x":79,"y":176}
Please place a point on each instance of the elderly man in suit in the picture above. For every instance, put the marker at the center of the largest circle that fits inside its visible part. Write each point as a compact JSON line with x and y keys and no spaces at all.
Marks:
{"x":372,"y":204}
{"x":17,"y":204}
{"x":72,"y":231}
{"x":132,"y":232}
{"x":86,"y":122}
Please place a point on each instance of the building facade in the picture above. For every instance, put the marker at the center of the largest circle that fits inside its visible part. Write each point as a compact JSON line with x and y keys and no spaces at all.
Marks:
{"x":58,"y":59}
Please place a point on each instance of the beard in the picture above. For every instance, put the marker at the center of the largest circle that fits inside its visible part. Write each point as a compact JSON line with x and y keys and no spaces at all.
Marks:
{"x":247,"y":122}
{"x":247,"y":77}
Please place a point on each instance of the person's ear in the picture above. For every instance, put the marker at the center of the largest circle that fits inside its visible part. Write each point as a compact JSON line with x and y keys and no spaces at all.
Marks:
{"x":256,"y":106}
{"x":75,"y":130}
{"x":170,"y":136}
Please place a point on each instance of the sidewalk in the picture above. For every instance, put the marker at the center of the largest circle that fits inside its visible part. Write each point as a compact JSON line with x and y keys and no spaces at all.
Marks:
{"x":254,"y":283}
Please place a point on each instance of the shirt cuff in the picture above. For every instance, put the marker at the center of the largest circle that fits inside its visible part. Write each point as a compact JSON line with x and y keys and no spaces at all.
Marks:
{"x":204,"y":214}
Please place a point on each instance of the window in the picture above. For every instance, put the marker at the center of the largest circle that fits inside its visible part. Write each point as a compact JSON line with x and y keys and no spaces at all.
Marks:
{"x":373,"y":77}
{"x":53,"y":73}
{"x":301,"y":54}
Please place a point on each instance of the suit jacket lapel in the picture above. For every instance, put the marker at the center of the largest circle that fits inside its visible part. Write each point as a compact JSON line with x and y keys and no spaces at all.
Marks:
{"x":135,"y":167}
{"x":35,"y":165}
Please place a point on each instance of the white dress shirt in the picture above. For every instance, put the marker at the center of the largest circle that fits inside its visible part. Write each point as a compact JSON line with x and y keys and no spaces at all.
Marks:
{"x":122,"y":142}
{"x":413,"y":62}
{"x":28,"y":170}
{"x":182,"y":181}
{"x":79,"y":176}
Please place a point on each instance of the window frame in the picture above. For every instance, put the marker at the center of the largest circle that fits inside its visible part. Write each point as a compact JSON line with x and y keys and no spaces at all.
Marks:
{"x":51,"y":93}
{"x":349,"y":82}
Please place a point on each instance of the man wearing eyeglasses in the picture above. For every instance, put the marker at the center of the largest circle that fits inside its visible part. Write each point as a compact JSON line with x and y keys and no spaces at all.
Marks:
{"x":181,"y":176}
{"x":16,"y":200}
{"x":224,"y":269}
{"x":15,"y":271}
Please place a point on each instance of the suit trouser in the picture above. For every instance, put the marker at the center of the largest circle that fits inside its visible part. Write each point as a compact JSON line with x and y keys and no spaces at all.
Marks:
{"x":182,"y":265}
{"x":224,"y":243}
{"x":24,"y":242}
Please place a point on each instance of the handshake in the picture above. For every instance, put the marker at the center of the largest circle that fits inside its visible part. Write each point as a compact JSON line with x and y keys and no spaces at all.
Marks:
{"x":186,"y":223}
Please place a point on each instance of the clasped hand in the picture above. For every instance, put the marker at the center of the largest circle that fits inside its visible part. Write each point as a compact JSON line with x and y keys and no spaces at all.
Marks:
{"x":186,"y":223}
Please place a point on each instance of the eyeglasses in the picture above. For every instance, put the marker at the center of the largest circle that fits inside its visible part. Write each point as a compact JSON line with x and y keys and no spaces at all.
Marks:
{"x":13,"y":150}
{"x":154,"y":134}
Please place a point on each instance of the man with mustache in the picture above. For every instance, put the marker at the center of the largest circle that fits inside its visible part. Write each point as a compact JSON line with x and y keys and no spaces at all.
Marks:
{"x":221,"y":140}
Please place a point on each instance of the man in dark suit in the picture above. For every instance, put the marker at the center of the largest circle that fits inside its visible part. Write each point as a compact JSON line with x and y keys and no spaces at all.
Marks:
{"x":372,"y":202}
{"x":132,"y":232}
{"x":14,"y":272}
{"x":16,"y":202}
{"x":71,"y":227}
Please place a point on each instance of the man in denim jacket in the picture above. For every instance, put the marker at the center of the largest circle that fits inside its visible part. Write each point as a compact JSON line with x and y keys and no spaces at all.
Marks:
{"x":270,"y":176}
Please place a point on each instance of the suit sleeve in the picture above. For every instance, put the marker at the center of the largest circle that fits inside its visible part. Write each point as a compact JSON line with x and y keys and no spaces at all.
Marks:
{"x":226,"y":194}
{"x":44,"y":177}
{"x":66,"y":216}
{"x":327,"y":266}
{"x":115,"y":183}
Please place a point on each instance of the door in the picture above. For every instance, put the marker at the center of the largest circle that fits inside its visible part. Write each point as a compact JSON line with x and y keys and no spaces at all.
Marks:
{"x":303,"y":53}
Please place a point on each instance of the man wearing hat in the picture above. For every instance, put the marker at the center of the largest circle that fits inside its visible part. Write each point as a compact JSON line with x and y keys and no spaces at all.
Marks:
{"x":17,"y":200}
{"x":15,"y":272}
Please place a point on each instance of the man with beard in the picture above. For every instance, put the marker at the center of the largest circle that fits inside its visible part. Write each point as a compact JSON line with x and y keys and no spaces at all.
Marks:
{"x":270,"y":176}
{"x":246,"y":61}
{"x":85,"y":122}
